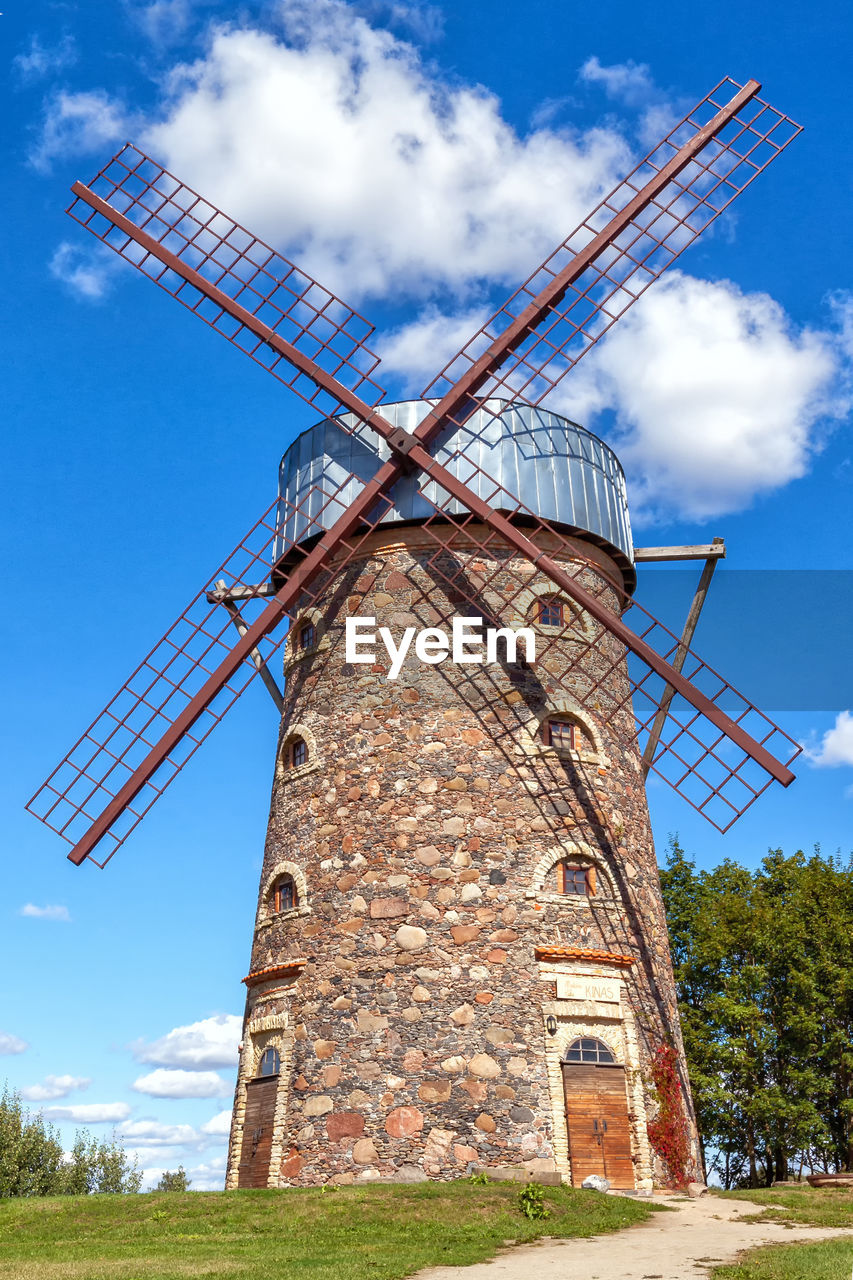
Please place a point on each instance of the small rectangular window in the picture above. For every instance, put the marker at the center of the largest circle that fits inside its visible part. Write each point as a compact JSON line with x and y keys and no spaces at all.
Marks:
{"x":561,"y":734}
{"x":576,"y":881}
{"x":284,"y":895}
{"x":307,"y":636}
{"x":550,"y":612}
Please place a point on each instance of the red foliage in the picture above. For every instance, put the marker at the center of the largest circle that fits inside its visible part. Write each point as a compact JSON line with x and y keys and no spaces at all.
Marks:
{"x":668,"y":1132}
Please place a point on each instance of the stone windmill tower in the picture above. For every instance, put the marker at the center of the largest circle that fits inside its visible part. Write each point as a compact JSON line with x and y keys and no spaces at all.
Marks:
{"x":460,"y":954}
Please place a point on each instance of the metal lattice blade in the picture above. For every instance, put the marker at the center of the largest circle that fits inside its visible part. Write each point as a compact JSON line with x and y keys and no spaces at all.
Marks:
{"x":589,"y":664}
{"x":207,"y":261}
{"x":624,"y":245}
{"x":184,"y":686}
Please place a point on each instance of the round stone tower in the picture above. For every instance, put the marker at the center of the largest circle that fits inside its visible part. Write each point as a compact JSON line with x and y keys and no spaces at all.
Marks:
{"x":460,"y":957}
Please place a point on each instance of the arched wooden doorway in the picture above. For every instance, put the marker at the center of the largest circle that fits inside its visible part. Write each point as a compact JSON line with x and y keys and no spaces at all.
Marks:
{"x":597,"y":1114}
{"x":256,"y":1149}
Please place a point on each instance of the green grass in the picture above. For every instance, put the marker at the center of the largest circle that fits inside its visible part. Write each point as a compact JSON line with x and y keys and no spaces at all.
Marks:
{"x":827,"y":1207}
{"x":823,"y":1260}
{"x":369,"y":1233}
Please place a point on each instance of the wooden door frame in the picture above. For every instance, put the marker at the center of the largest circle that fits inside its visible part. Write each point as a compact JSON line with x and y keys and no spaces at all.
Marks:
{"x":620,"y":1098}
{"x":247,"y":1151}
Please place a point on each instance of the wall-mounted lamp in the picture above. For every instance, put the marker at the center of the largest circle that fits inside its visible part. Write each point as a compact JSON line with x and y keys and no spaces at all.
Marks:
{"x":551,"y":1025}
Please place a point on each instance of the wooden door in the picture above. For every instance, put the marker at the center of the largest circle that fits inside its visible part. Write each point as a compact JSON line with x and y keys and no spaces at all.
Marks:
{"x":254,"y":1168}
{"x":599,"y":1129}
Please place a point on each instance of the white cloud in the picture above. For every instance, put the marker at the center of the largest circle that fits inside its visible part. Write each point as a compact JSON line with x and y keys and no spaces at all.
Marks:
{"x":211,"y":1042}
{"x":710,"y":396}
{"x":44,"y":913}
{"x":415,"y":352}
{"x":628,"y":82}
{"x":166,"y":21}
{"x":219,"y":1125}
{"x":90,"y":1113}
{"x":836,"y":745}
{"x":209,"y":1176}
{"x":12,"y":1044}
{"x":42,"y":60}
{"x":717,"y":398}
{"x":54,"y":1087}
{"x":151,"y":1133}
{"x":87,"y":270}
{"x":425,"y":21}
{"x":841,"y":306}
{"x":154,"y":1140}
{"x":165,"y":1083}
{"x":338,"y":143}
{"x":76,"y":124}
{"x":341,"y":146}
{"x":631,"y":84}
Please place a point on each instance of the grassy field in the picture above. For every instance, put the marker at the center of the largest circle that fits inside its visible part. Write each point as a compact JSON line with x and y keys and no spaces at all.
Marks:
{"x":369,"y":1233}
{"x":824,"y":1260}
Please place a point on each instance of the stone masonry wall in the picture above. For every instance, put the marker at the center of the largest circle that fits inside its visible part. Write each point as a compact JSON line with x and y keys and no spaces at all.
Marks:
{"x":421,"y":833}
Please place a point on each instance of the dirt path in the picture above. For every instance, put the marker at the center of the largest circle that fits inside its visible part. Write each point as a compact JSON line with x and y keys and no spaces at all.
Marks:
{"x":682,"y":1245}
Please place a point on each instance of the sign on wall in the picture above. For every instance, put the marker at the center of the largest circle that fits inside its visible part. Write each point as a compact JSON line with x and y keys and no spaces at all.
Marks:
{"x":579,"y":986}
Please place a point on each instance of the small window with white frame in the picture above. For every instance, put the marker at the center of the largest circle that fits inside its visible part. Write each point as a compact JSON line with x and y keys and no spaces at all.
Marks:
{"x":575,"y":879}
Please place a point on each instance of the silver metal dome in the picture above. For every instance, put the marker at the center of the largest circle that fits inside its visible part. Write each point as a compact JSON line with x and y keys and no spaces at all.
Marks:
{"x":556,"y":468}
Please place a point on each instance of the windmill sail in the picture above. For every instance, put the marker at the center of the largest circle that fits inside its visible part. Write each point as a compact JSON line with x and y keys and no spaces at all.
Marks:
{"x":196,"y":253}
{"x":315,"y":344}
{"x":624,"y":245}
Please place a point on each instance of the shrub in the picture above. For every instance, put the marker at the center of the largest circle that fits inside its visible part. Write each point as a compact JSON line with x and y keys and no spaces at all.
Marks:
{"x":177,"y":1181}
{"x":531,"y":1201}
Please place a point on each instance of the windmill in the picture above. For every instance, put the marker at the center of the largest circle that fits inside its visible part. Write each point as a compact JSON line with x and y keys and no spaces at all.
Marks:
{"x":460,"y":953}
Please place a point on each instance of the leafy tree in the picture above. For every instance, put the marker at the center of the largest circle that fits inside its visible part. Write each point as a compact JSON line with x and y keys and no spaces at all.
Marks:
{"x":33,"y":1163}
{"x":30,"y":1151}
{"x":764,"y":970}
{"x":98,"y":1167}
{"x":177,"y":1181}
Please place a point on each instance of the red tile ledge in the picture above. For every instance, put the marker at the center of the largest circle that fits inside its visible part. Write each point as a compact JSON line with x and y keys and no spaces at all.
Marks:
{"x":557,"y":952}
{"x":274,"y":971}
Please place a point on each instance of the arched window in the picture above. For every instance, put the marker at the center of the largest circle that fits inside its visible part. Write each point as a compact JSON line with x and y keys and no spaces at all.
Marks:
{"x":550,"y":611}
{"x":270,"y":1063}
{"x":297,"y":753}
{"x":574,"y":879}
{"x":592,"y":1051}
{"x":307,"y":636}
{"x":284,"y":894}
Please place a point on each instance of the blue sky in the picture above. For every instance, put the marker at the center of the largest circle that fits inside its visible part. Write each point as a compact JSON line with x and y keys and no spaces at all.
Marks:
{"x":139,"y":447}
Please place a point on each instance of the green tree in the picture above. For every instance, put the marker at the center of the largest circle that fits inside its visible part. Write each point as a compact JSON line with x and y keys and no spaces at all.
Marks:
{"x":764,"y":970}
{"x":33,"y":1163}
{"x":98,"y":1168}
{"x":177,"y":1181}
{"x":30,"y":1151}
